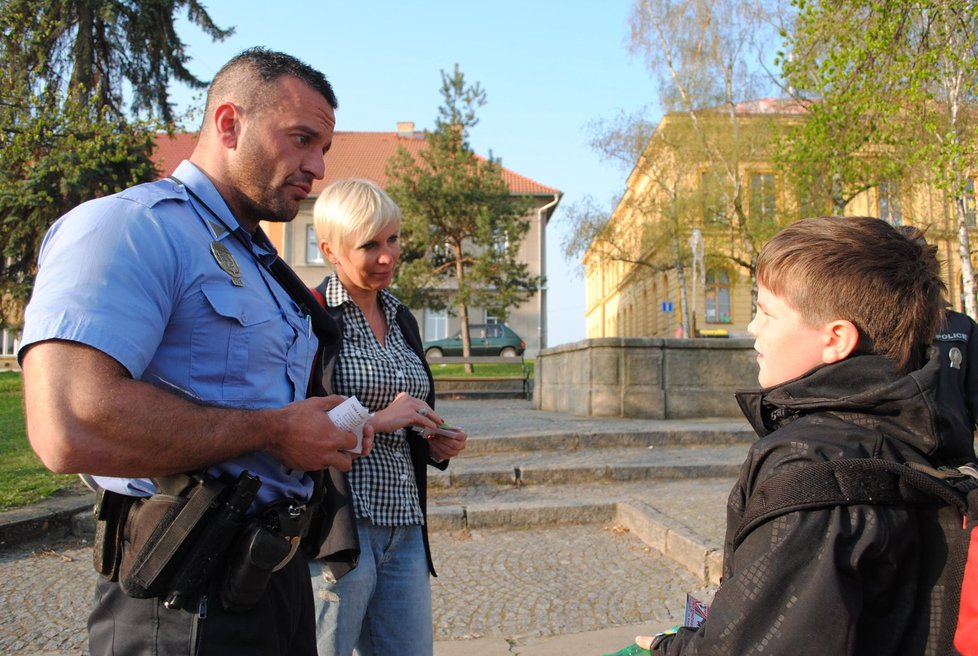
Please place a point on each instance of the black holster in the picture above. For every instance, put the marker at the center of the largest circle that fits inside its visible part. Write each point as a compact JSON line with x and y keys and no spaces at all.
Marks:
{"x":111,"y":510}
{"x":268,"y":543}
{"x":168,"y":545}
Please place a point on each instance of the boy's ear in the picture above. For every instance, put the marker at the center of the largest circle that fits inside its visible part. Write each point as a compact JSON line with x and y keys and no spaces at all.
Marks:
{"x":842,"y":338}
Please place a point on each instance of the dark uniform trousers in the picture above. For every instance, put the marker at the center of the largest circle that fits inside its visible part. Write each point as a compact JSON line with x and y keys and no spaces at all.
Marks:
{"x":282,"y":622}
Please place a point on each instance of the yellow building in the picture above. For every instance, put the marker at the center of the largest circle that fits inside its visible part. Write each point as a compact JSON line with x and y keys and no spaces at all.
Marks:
{"x":705,"y":195}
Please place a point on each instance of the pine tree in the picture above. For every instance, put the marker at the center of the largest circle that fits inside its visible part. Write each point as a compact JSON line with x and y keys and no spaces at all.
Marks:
{"x":462,"y":228}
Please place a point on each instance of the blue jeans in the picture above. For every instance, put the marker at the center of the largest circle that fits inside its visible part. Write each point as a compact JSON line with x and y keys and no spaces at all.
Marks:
{"x":383,"y":606}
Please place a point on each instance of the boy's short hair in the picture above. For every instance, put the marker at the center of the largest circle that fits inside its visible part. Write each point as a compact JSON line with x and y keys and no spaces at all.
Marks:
{"x":863,"y":270}
{"x":348,"y":212}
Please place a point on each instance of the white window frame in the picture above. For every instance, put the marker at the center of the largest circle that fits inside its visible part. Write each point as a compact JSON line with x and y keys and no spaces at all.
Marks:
{"x":313,"y":254}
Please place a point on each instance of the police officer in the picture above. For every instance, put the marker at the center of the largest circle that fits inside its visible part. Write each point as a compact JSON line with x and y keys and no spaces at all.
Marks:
{"x":157,"y":342}
{"x":957,"y":343}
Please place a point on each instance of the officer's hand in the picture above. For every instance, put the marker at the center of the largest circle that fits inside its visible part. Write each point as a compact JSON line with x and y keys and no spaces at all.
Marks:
{"x":304,"y":437}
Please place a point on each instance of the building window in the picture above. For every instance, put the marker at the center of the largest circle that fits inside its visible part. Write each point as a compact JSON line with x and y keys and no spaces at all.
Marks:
{"x":763,"y":198}
{"x":435,"y":324}
{"x":313,"y":254}
{"x":9,"y":342}
{"x":718,"y":297}
{"x":500,"y":242}
{"x":712,"y":206}
{"x":890,"y":206}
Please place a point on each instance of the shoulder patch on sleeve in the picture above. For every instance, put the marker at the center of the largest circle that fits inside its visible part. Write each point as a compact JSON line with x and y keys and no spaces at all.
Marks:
{"x":151,"y":193}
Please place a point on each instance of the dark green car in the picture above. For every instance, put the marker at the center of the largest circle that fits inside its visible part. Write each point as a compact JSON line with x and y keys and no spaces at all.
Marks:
{"x":486,"y":339}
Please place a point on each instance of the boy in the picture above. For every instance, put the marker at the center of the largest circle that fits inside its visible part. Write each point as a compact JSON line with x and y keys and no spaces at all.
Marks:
{"x":846,"y":310}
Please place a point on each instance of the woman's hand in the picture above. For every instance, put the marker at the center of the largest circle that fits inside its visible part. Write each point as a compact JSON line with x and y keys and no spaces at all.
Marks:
{"x":403,"y":411}
{"x":443,"y":447}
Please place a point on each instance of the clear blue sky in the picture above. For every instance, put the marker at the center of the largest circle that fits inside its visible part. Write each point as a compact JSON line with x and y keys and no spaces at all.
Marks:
{"x":548,"y":68}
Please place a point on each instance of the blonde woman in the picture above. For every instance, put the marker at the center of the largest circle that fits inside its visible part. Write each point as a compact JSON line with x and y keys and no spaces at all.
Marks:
{"x":383,"y":606}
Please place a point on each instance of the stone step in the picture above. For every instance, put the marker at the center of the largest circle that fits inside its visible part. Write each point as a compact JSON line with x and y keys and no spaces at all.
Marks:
{"x":587,"y":465}
{"x":675,"y":435}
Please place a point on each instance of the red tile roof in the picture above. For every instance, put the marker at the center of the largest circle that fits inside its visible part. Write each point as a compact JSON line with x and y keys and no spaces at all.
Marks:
{"x":353,"y":154}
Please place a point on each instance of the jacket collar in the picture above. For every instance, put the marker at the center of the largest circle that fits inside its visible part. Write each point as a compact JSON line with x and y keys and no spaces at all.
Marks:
{"x":902,"y":407}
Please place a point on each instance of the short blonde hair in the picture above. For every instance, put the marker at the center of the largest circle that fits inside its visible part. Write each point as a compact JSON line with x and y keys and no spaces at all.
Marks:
{"x":350,"y":211}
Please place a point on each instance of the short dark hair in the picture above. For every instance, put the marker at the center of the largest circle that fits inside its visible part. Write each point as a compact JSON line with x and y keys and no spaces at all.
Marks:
{"x":249,"y":73}
{"x":863,"y":270}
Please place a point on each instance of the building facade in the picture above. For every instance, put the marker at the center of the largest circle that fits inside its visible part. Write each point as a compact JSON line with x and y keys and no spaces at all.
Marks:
{"x":676,"y":244}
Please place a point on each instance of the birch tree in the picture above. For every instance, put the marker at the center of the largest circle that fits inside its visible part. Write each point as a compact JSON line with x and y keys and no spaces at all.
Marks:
{"x":893,"y":90}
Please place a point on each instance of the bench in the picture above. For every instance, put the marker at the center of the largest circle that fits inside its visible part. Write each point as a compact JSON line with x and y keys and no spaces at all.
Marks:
{"x":483,"y":386}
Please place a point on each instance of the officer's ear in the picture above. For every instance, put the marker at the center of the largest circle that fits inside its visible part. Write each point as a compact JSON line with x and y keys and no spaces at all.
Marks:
{"x":227,"y":124}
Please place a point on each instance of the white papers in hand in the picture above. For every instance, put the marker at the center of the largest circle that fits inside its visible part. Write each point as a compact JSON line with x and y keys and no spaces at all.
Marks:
{"x":351,"y":416}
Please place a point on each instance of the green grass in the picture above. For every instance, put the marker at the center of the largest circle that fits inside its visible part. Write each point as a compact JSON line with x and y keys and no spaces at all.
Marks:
{"x":23,"y":479}
{"x":515,"y":369}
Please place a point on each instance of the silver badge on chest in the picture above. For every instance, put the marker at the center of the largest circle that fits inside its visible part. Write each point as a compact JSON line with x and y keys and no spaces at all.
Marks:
{"x":954,"y":355}
{"x":227,"y":262}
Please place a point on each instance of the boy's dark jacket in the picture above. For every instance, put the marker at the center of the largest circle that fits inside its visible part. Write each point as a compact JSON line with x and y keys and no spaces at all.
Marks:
{"x":841,"y":580}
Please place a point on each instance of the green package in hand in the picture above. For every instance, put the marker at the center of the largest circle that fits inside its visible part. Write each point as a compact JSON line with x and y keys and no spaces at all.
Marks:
{"x":631,"y":650}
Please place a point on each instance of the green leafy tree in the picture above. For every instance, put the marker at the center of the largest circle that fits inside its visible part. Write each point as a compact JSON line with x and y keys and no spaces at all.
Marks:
{"x":93,"y":50}
{"x":462,"y":227}
{"x":852,"y":131}
{"x":895,"y":91}
{"x":59,"y":159}
{"x":64,"y":134}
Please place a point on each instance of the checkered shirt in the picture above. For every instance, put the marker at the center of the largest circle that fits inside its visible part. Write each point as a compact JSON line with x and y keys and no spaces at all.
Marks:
{"x":383,"y":485}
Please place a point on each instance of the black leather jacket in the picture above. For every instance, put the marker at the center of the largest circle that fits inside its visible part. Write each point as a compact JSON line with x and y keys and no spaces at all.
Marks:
{"x":834,"y":581}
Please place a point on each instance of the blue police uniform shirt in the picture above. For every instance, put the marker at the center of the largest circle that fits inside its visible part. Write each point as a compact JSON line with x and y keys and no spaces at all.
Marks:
{"x":137,"y":276}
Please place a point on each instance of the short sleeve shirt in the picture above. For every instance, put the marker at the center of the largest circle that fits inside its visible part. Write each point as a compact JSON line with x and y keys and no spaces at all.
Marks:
{"x":154,"y":279}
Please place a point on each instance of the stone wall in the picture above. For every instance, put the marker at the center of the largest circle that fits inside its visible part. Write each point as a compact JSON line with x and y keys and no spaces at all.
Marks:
{"x":645,"y":377}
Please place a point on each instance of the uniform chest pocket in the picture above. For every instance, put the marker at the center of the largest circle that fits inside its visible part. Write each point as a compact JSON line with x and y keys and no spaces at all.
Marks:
{"x":237,"y":342}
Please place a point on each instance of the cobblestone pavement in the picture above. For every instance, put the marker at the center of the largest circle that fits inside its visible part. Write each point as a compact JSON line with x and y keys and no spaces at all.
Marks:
{"x":511,"y":584}
{"x":542,"y":582}
{"x":45,"y":596}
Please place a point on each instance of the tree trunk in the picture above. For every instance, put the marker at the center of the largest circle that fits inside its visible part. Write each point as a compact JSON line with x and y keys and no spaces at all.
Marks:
{"x":683,"y":302}
{"x":466,"y":339}
{"x":82,"y":76}
{"x":463,"y":308}
{"x":964,"y":251}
